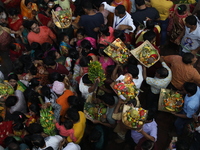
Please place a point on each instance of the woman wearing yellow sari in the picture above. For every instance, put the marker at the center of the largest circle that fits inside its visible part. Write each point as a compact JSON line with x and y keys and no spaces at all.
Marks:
{"x":27,"y":7}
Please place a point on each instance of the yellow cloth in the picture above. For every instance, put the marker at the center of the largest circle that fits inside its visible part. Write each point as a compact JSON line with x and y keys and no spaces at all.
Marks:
{"x":163,"y":7}
{"x":79,"y":128}
{"x":140,"y":37}
{"x":25,"y":12}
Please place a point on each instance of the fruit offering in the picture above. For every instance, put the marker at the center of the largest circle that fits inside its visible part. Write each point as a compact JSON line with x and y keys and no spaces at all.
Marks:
{"x":146,"y":54}
{"x":62,"y":18}
{"x":46,"y":120}
{"x":118,"y":51}
{"x":134,"y":117}
{"x":126,"y":87}
{"x":96,"y":71}
{"x":95,"y":111}
{"x":170,"y":101}
{"x":5,"y":89}
{"x":173,"y":101}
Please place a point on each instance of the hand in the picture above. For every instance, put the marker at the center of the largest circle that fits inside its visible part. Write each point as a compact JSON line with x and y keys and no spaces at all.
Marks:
{"x":120,"y":101}
{"x":147,"y":18}
{"x":173,"y":113}
{"x":123,"y":27}
{"x":54,"y":121}
{"x":194,"y":52}
{"x":97,"y":80}
{"x":140,"y":130}
{"x":96,"y":121}
{"x":161,"y":59}
{"x":177,"y":41}
{"x":195,"y":117}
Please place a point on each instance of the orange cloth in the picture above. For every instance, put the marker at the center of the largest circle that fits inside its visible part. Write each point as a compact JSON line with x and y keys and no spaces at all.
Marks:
{"x":45,"y":35}
{"x":28,"y":12}
{"x":63,"y":101}
{"x":181,"y":72}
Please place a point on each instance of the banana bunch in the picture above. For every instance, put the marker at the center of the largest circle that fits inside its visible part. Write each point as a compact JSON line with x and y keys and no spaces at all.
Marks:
{"x":46,"y":120}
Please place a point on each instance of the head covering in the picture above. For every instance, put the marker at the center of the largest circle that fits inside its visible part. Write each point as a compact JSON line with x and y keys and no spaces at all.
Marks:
{"x":58,"y":87}
{"x":72,"y":146}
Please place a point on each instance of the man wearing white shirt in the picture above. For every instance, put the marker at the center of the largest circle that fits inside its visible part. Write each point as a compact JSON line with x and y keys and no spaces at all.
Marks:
{"x":122,"y":19}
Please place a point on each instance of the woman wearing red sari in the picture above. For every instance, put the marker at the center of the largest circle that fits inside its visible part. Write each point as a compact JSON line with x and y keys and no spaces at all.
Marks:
{"x":15,"y":20}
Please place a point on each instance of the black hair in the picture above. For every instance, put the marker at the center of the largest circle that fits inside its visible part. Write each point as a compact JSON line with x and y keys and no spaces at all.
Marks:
{"x":46,"y":46}
{"x":108,"y":99}
{"x":84,"y":61}
{"x":13,"y":146}
{"x":55,"y":76}
{"x":101,"y":48}
{"x":187,"y":58}
{"x":62,"y":36}
{"x":35,"y":46}
{"x":27,"y":1}
{"x":38,"y":55}
{"x":85,"y":44}
{"x":17,"y":126}
{"x":139,"y":2}
{"x":109,"y":70}
{"x":191,"y":20}
{"x":146,"y":145}
{"x":190,"y":87}
{"x":73,"y":54}
{"x":182,"y":145}
{"x":150,"y":115}
{"x":13,"y":46}
{"x":73,"y":100}
{"x":28,"y":23}
{"x":132,"y":101}
{"x":18,"y":116}
{"x":37,"y":140}
{"x":68,"y":124}
{"x":73,"y":114}
{"x":13,"y":12}
{"x":49,"y":148}
{"x":52,"y":54}
{"x":132,"y":60}
{"x":87,"y":5}
{"x":163,"y":72}
{"x":31,"y":96}
{"x":149,"y":35}
{"x":119,"y":34}
{"x":11,"y":101}
{"x":49,"y":61}
{"x":8,"y":140}
{"x":120,"y":9}
{"x":1,"y":119}
{"x":34,"y":82}
{"x":181,"y":9}
{"x":34,"y":128}
{"x":2,"y":9}
{"x":198,"y":14}
{"x":95,"y":135}
{"x":81,"y":31}
{"x":104,"y":29}
{"x":150,"y":24}
{"x":35,"y":108}
{"x":13,"y":76}
{"x":86,"y":79}
{"x":45,"y":91}
{"x":133,"y":70}
{"x":18,"y":67}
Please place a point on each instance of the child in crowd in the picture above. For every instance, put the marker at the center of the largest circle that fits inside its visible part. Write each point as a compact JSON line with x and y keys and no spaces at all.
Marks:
{"x":66,"y":129}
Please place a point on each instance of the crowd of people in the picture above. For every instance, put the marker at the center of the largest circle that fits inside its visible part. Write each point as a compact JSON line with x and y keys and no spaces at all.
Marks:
{"x":48,"y":67}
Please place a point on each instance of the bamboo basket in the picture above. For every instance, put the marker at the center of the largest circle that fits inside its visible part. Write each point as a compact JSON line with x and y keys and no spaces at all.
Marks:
{"x":163,"y":97}
{"x":126,"y":108}
{"x":63,"y":18}
{"x":136,"y":52}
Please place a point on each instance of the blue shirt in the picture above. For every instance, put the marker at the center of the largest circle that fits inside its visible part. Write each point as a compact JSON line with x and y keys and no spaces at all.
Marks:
{"x":192,"y":103}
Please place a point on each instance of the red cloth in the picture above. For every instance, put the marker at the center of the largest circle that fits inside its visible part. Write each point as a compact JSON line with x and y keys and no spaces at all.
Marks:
{"x":17,"y":24}
{"x":45,"y":35}
{"x":12,"y":4}
{"x":59,"y":68}
{"x":14,"y":54}
{"x":5,"y":130}
{"x":43,"y":19}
